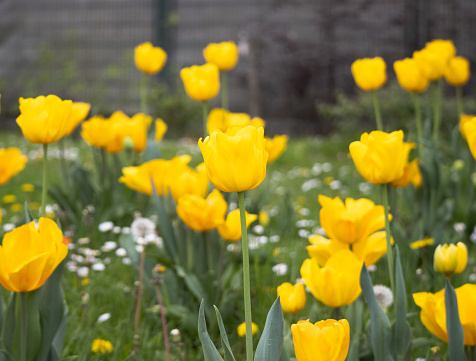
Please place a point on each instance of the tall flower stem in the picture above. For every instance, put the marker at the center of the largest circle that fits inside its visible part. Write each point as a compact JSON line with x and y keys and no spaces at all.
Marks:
{"x":164,"y":322}
{"x":205,"y":117}
{"x":246,"y":277}
{"x":459,"y":101}
{"x":378,"y":114}
{"x":44,"y":189}
{"x":437,"y":95}
{"x":224,"y":90}
{"x":416,"y":102}
{"x":143,"y":94}
{"x":138,"y":304}
{"x":391,"y":267}
{"x":208,"y":245}
{"x":23,"y":328}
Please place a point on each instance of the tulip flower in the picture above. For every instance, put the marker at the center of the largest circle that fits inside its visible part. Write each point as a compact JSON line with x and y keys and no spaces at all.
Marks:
{"x":43,"y":119}
{"x":185,"y":180}
{"x":469,"y":132}
{"x":217,"y":120}
{"x":458,"y":71}
{"x":411,"y":174}
{"x":149,"y":59}
{"x":444,"y":48}
{"x":201,"y":82}
{"x":136,"y":129}
{"x":202,"y":214}
{"x":369,"y":74}
{"x":380,"y":157}
{"x":160,"y":129}
{"x":235,"y":160}
{"x":101,"y":346}
{"x":431,"y":63}
{"x":276,"y":146}
{"x":422,"y":243}
{"x":337,"y":283}
{"x":292,"y":297}
{"x":326,"y":340}
{"x":12,"y":162}
{"x":29,"y":255}
{"x":96,"y":131}
{"x":410,"y":76}
{"x":241,"y":330}
{"x":450,"y":259}
{"x":351,"y":222}
{"x":223,"y":55}
{"x":79,"y":112}
{"x":230,"y":229}
{"x":465,"y":118}
{"x":433,"y":312}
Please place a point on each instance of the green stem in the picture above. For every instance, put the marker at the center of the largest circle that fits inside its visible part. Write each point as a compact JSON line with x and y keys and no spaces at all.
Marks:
{"x":189,"y":252}
{"x":224,"y":90}
{"x":23,"y":328}
{"x":459,"y":101}
{"x":44,"y":190}
{"x":205,"y":118}
{"x":378,"y":114}
{"x":208,"y":245}
{"x":246,"y":277}
{"x":391,"y":268}
{"x":416,"y":101}
{"x":437,"y":95}
{"x":143,"y":94}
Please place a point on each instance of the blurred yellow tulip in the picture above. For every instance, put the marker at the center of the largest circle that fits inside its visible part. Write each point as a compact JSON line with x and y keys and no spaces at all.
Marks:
{"x":221,"y":119}
{"x":379,"y":157}
{"x":201,"y":82}
{"x":79,"y":112}
{"x":241,"y":330}
{"x":235,"y":160}
{"x":96,"y":131}
{"x":160,"y":129}
{"x":409,"y":75}
{"x":469,"y":132}
{"x":326,"y":340}
{"x":43,"y":119}
{"x":433,"y":312}
{"x":149,"y":59}
{"x":411,"y":174}
{"x":29,"y":255}
{"x":230,"y":229}
{"x":369,"y":74}
{"x":292,"y":297}
{"x":434,"y":58}
{"x":12,"y":162}
{"x":202,"y":214}
{"x":450,"y":259}
{"x":458,"y":71}
{"x":181,"y":180}
{"x":463,"y":119}
{"x":338,"y":282}
{"x":276,"y":146}
{"x":223,"y":55}
{"x":136,"y":129}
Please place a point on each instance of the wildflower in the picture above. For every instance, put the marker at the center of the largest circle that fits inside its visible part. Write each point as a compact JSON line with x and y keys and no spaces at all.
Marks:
{"x":27,"y":187}
{"x":101,"y":346}
{"x":422,"y":243}
{"x":9,"y":198}
{"x":175,"y":334}
{"x":280,"y":269}
{"x":121,"y":252}
{"x":106,"y":226}
{"x":242,"y":329}
{"x":104,"y":317}
{"x":384,"y":296}
{"x":142,"y":227}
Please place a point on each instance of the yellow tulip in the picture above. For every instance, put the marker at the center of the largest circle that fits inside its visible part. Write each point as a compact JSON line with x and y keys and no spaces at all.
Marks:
{"x":338,"y":282}
{"x":201,"y":82}
{"x":351,"y":222}
{"x":136,"y":129}
{"x":223,"y":55}
{"x":422,"y":243}
{"x":97,"y":131}
{"x":409,"y":75}
{"x":469,"y":133}
{"x":433,"y":312}
{"x":433,"y":59}
{"x":369,"y":74}
{"x":322,"y":248}
{"x":276,"y":146}
{"x":29,"y":255}
{"x":79,"y":112}
{"x":160,"y":129}
{"x":257,"y":122}
{"x":149,"y":59}
{"x":444,"y":48}
{"x":12,"y":162}
{"x":263,"y":218}
{"x":236,"y":160}
{"x":326,"y":340}
{"x":411,"y":174}
{"x":118,"y":127}
{"x":463,"y":119}
{"x":230,"y":229}
{"x":292,"y":297}
{"x":43,"y":119}
{"x":458,"y":71}
{"x":184,"y":180}
{"x":450,"y":259}
{"x":217,"y":120}
{"x":241,"y":330}
{"x":202,"y":214}
{"x":379,"y":157}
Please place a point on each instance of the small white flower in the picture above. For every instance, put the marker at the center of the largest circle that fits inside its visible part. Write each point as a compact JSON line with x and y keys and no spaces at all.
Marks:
{"x":117,"y":230}
{"x":98,"y":267}
{"x":372,"y":268}
{"x":258,"y":229}
{"x":104,"y":317}
{"x":7,"y":227}
{"x":106,"y":226}
{"x":126,"y":230}
{"x":472,"y":278}
{"x":71,"y":266}
{"x":126,"y":260}
{"x":304,"y":223}
{"x":231,"y":207}
{"x":304,"y":212}
{"x":327,"y":167}
{"x":83,"y":272}
{"x":109,"y":246}
{"x":310,"y":184}
{"x":83,"y":240}
{"x":303,"y":233}
{"x":139,"y":248}
{"x":384,"y":296}
{"x":335,"y":184}
{"x":274,"y":239}
{"x":263,"y":240}
{"x":142,"y":227}
{"x":280,"y":269}
{"x":121,"y":252}
{"x":316,"y":169}
{"x":365,"y":187}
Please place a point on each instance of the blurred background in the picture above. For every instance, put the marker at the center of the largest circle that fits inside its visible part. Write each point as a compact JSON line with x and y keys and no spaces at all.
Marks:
{"x":295,"y":56}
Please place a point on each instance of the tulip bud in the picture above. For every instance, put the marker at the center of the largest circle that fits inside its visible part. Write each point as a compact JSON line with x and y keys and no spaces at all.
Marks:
{"x":201,"y":82}
{"x":223,"y":55}
{"x":458,"y":71}
{"x":292,"y":297}
{"x":450,"y":259}
{"x":149,"y":59}
{"x":369,"y":74}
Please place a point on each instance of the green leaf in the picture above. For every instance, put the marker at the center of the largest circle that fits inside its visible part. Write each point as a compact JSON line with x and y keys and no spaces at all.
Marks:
{"x":33,"y":325}
{"x":355,"y":319}
{"x":224,"y":338}
{"x":192,"y":282}
{"x":379,"y":324}
{"x":271,"y":342}
{"x":9,"y":323}
{"x":28,"y":216}
{"x":453,"y":325}
{"x":210,"y":352}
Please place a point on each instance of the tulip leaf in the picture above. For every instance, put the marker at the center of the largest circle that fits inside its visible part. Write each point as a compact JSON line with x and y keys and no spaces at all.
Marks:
{"x":192,"y":282}
{"x":379,"y":324}
{"x":5,"y":355}
{"x":401,"y":331}
{"x":453,"y":325}
{"x":152,"y":150}
{"x":28,"y":216}
{"x":271,"y":342}
{"x":9,"y":323}
{"x":224,"y":338}
{"x":33,"y":325}
{"x":355,"y":320}
{"x":210,"y":352}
